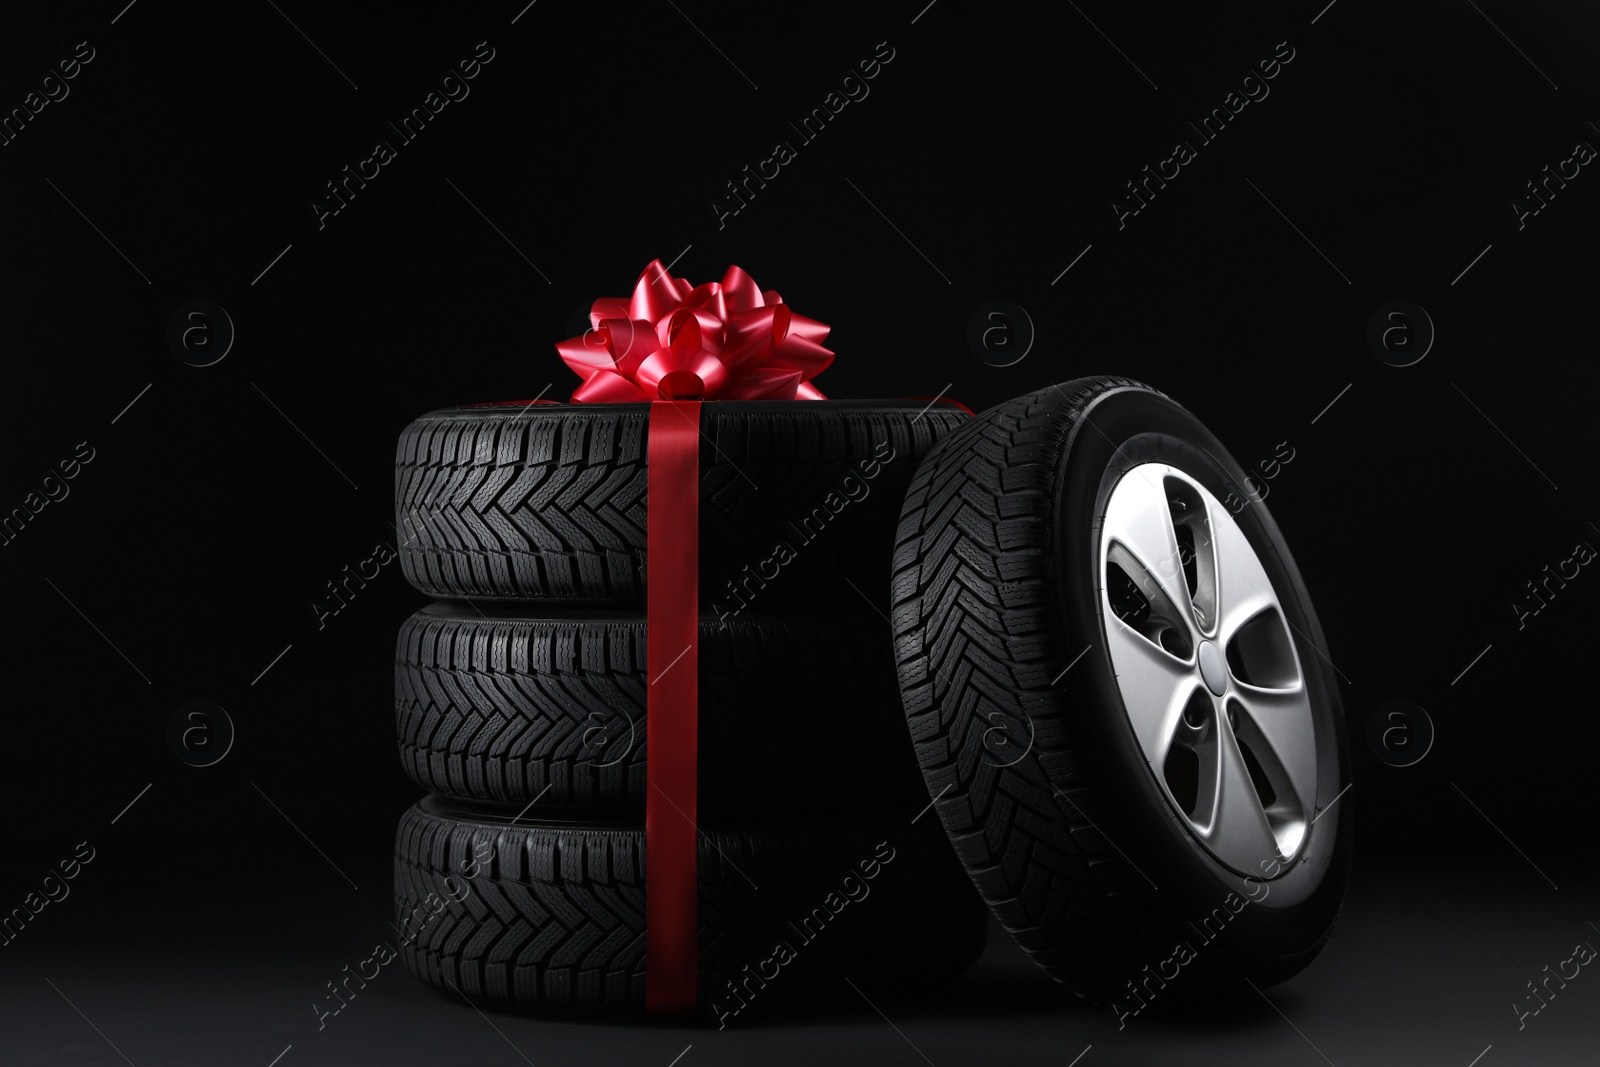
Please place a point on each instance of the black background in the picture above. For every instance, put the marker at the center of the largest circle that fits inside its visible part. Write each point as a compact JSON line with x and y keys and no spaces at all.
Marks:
{"x":980,"y":166}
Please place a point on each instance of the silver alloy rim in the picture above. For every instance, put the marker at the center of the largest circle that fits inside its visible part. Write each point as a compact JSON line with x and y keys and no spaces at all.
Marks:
{"x":1207,"y":668}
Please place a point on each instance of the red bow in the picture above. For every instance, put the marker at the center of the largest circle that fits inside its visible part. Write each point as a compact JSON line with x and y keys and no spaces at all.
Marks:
{"x":717,"y":341}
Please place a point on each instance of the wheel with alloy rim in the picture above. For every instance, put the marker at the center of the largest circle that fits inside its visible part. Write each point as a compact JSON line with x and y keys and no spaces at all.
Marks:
{"x":1207,"y":668}
{"x":1121,"y":697}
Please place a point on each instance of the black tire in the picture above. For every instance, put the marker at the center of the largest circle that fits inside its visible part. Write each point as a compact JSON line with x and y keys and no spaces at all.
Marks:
{"x":550,"y":916}
{"x":547,"y":501}
{"x":996,"y":594}
{"x":794,"y":714}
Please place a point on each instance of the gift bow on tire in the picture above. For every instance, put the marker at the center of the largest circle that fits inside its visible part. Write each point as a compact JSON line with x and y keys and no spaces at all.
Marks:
{"x":723,"y":340}
{"x":674,"y":345}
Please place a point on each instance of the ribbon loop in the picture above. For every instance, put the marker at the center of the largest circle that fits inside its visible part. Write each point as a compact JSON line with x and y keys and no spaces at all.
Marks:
{"x":740,"y":342}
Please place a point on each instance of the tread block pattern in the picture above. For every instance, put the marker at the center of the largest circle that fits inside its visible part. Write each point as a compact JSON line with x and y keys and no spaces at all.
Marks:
{"x":793,"y":713}
{"x":548,"y":502}
{"x":979,"y":642}
{"x":536,"y":916}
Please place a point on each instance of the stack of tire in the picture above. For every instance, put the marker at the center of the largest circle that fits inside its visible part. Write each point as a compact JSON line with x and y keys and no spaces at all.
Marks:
{"x":520,"y":702}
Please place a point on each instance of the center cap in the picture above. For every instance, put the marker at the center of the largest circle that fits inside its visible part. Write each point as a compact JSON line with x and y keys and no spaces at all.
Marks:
{"x":1212,"y":669}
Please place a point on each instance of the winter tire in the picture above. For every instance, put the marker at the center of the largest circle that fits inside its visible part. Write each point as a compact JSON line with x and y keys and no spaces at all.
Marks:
{"x":547,"y":501}
{"x":1121,"y":696}
{"x":550,"y":915}
{"x":794,"y":713}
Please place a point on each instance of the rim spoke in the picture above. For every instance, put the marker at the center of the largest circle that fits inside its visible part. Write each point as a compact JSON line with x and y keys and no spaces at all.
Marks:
{"x":1280,"y":719}
{"x":1238,"y":832}
{"x":1154,"y":684}
{"x":1139,"y":520}
{"x":1243,"y":588}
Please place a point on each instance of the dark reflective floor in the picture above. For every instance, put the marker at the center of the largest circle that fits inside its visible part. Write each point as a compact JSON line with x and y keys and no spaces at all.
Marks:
{"x":164,"y":964}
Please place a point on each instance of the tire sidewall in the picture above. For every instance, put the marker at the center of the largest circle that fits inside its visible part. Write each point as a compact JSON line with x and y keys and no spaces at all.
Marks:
{"x":1278,"y":913}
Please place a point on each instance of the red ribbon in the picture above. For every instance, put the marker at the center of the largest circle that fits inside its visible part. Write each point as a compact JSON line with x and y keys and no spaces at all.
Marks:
{"x":674,"y":345}
{"x":672,"y":623}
